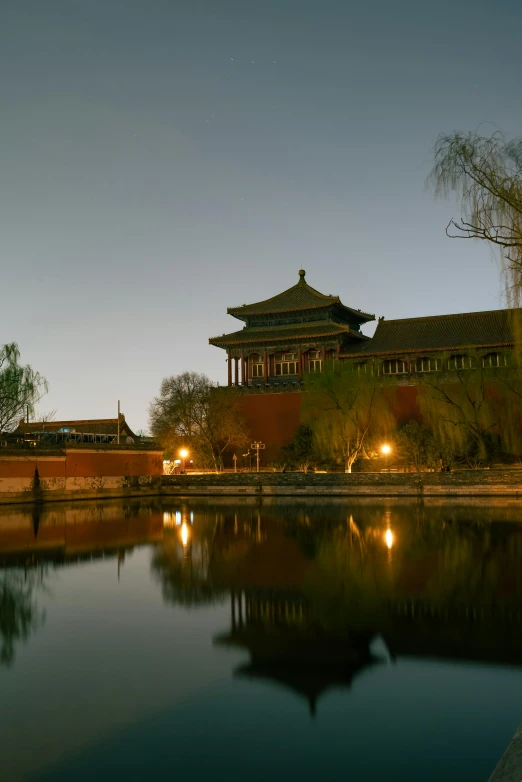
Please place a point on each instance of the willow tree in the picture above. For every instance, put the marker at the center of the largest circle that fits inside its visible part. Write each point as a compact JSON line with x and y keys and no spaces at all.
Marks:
{"x":191,"y":410}
{"x":459,"y":407}
{"x":486,"y":175}
{"x":345,"y":408}
{"x":20,"y":387}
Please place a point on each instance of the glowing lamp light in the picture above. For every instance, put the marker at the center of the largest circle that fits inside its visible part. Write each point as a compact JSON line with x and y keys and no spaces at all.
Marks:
{"x":184,"y":533}
{"x":385,"y":449}
{"x":183,"y":453}
{"x":388,"y":537}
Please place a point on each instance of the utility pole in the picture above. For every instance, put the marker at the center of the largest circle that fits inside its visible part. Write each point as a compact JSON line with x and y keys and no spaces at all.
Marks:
{"x":118,"y":421}
{"x":257,"y":446}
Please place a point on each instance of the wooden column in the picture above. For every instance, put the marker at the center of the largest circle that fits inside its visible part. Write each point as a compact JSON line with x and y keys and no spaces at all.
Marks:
{"x":229,"y":370}
{"x":236,"y":376}
{"x":300,"y":363}
{"x":323,"y":355}
{"x":243,"y":370}
{"x":265,"y":368}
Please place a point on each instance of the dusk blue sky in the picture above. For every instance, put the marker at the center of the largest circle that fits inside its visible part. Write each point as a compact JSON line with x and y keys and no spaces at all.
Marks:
{"x":162,"y":160}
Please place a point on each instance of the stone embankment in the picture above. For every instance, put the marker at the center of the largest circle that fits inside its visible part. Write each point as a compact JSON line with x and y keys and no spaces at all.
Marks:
{"x":463,"y":483}
{"x":468,"y":483}
{"x":509,"y":768}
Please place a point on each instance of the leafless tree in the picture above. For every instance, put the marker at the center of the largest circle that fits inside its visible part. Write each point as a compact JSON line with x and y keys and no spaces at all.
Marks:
{"x":194,"y":412}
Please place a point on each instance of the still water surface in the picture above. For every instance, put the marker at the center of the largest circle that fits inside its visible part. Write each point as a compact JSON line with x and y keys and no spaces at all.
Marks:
{"x":224,"y":639}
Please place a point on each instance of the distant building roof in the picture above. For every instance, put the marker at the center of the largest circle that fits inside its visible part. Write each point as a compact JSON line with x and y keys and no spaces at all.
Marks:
{"x":495,"y":328}
{"x":299,"y":297}
{"x":98,"y":426}
{"x":285,"y":334}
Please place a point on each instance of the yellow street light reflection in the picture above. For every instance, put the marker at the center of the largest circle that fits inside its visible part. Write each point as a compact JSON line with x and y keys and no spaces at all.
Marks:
{"x":388,"y":537}
{"x":184,"y":533}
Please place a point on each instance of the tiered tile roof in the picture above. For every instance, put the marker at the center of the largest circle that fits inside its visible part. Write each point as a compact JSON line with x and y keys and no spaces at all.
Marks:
{"x":299,"y":297}
{"x":287,"y":333}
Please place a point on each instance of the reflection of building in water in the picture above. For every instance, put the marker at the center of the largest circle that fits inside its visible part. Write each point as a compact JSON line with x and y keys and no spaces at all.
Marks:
{"x":75,"y":532}
{"x":286,"y":647}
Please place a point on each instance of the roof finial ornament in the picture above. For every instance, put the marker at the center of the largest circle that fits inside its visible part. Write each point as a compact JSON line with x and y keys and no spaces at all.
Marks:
{"x":302,"y":275}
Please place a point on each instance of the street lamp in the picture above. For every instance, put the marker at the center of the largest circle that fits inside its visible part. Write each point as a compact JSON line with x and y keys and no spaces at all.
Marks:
{"x":183,"y":453}
{"x":386,"y":450}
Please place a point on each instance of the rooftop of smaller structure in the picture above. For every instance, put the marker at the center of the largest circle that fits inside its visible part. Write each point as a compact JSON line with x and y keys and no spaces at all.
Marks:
{"x":287,"y":333}
{"x":299,"y":297}
{"x":492,"y":328}
{"x":99,"y":426}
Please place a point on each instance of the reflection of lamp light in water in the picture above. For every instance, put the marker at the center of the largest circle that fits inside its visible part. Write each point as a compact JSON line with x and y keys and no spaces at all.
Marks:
{"x":184,"y":533}
{"x":388,"y":537}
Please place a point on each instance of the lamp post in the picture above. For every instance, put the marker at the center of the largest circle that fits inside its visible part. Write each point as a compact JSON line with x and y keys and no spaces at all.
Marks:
{"x":257,"y":446}
{"x":183,"y":453}
{"x":386,"y":450}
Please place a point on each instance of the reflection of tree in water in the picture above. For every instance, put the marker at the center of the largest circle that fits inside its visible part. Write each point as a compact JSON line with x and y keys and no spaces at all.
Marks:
{"x":183,"y":570}
{"x":19,"y":614}
{"x":456,"y":558}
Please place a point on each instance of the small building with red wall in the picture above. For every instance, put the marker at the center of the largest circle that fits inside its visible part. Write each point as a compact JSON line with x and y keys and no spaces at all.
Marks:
{"x":60,"y":453}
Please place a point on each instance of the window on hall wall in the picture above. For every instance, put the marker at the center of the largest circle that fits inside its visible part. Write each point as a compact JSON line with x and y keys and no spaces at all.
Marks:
{"x":394,"y":366}
{"x":426,"y":364}
{"x":315,"y":361}
{"x":285,"y":363}
{"x":257,"y":365}
{"x":363,"y":368}
{"x":460,"y":362}
{"x":494,"y":360}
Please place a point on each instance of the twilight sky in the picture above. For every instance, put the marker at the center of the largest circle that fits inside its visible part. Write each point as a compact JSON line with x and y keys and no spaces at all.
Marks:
{"x":164,"y":159}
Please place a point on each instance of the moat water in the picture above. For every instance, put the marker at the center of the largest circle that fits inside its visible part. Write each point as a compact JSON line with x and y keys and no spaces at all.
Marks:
{"x":259,"y":640}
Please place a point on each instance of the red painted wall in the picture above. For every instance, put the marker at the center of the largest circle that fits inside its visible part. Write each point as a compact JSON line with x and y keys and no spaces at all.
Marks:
{"x":48,"y":467}
{"x":273,"y":419}
{"x":99,"y":463}
{"x":76,"y":463}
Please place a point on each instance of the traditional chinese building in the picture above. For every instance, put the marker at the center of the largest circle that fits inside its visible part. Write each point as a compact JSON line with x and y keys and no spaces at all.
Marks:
{"x":301,"y":330}
{"x":295,"y":332}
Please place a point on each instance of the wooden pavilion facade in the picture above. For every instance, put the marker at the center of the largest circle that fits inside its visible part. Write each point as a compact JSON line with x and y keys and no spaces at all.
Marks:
{"x":297,"y":331}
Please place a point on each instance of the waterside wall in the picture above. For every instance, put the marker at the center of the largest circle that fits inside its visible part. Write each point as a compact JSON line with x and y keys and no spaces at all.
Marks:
{"x":469,"y":483}
{"x":29,"y":470}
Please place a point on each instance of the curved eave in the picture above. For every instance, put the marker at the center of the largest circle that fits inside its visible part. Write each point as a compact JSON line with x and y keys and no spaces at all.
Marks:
{"x":240,"y":312}
{"x":223,"y":342}
{"x":363,"y":317}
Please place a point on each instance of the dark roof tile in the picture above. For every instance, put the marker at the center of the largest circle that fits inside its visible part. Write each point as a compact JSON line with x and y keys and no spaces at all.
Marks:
{"x":294,"y":331}
{"x":445,"y":332}
{"x":299,"y":297}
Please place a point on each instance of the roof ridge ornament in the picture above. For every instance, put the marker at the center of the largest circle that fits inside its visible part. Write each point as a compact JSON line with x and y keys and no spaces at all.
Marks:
{"x":302,"y":275}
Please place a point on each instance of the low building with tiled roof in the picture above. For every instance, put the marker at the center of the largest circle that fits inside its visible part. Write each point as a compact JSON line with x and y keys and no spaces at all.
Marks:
{"x":97,"y":429}
{"x":415,"y":346}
